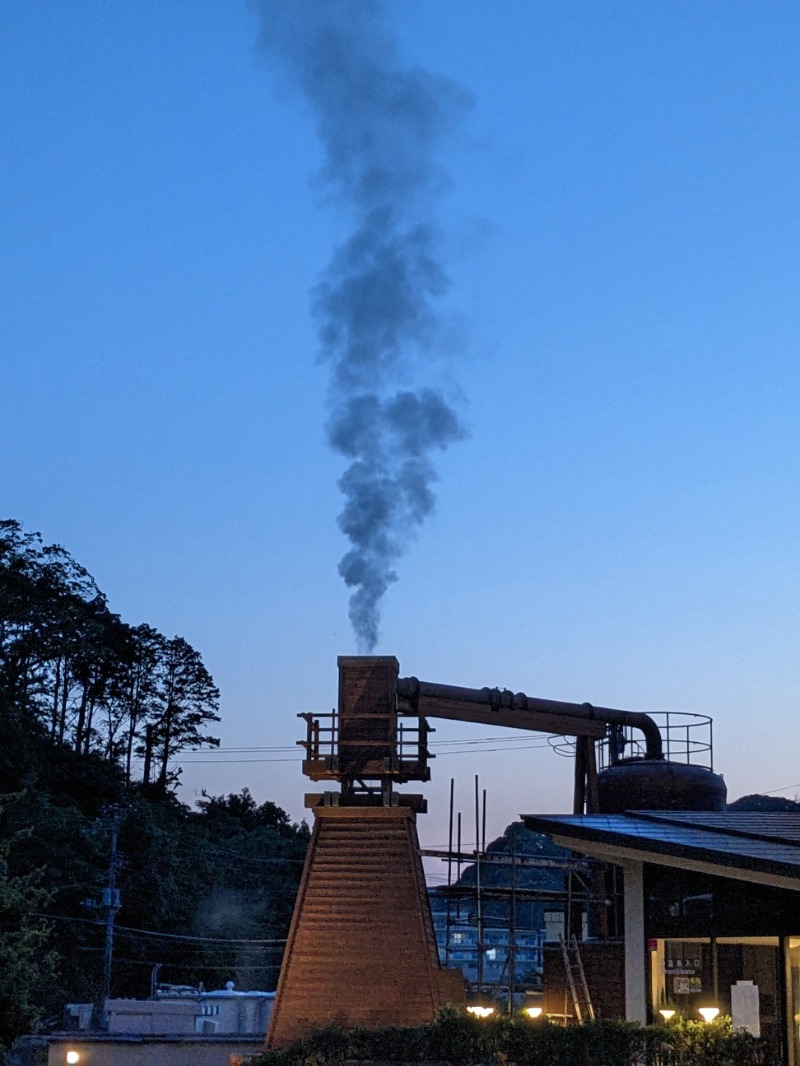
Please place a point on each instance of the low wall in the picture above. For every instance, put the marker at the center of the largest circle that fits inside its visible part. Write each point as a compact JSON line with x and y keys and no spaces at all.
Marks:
{"x":141,"y":1050}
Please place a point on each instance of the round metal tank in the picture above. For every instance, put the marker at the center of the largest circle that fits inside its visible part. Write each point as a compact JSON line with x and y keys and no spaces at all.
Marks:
{"x":659,"y":785}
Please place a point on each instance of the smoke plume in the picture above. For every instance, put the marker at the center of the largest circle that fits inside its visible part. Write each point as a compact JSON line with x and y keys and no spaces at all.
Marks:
{"x":376,"y":304}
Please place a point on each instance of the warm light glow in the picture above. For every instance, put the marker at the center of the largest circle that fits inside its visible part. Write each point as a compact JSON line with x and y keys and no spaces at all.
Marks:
{"x":708,"y":1013}
{"x":73,"y":1056}
{"x":480,"y":1012}
{"x":667,"y":1014}
{"x":533,"y":1012}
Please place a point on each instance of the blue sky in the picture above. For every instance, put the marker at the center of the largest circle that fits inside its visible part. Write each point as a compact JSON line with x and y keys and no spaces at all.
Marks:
{"x":622,"y":233}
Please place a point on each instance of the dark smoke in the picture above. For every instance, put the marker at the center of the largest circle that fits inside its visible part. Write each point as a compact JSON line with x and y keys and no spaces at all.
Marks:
{"x":380,"y":124}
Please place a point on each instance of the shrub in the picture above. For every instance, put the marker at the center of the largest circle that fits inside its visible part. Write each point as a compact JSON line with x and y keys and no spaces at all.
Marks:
{"x":688,"y":1043}
{"x":457,"y":1038}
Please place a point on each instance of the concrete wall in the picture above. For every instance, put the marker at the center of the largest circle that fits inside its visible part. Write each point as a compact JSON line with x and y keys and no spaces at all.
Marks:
{"x":147,"y":1016}
{"x":153,"y":1051}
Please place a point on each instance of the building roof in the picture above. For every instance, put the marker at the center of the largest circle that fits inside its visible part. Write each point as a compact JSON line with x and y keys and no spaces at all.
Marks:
{"x":764,"y":843}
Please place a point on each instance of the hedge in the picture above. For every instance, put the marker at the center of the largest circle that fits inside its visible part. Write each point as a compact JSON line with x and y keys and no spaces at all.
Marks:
{"x":459,"y":1039}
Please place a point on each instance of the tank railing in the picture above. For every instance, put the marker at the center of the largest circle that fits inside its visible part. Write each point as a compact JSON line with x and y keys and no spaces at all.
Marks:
{"x":687,"y":738}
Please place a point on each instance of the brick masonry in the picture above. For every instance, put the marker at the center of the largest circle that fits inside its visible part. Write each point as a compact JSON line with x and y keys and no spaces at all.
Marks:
{"x":367,"y":710}
{"x":361,"y":948}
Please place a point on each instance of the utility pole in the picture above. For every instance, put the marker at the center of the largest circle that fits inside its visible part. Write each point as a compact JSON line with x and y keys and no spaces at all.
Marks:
{"x":110,"y":905}
{"x":512,"y":923}
{"x":478,"y":900}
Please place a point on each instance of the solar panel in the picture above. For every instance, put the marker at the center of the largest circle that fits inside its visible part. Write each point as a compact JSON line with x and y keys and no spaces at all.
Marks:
{"x":750,"y":841}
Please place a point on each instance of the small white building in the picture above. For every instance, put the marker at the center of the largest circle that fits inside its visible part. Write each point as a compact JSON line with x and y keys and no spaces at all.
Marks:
{"x":178,"y":1027}
{"x":222,"y":1011}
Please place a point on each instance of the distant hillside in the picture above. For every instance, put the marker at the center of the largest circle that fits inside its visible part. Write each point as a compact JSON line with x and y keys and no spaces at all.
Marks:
{"x":524,"y":843}
{"x":763,"y":803}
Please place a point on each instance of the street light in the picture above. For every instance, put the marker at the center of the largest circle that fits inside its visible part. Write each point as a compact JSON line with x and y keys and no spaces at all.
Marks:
{"x":533,"y":1012}
{"x":708,"y":1013}
{"x":479,"y":1011}
{"x":667,"y":1014}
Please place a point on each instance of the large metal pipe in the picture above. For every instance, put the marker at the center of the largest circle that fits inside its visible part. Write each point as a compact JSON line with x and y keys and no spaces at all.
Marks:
{"x":411,"y":688}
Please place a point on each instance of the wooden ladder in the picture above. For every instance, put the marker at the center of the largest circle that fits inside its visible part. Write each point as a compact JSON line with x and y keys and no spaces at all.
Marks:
{"x":576,"y":978}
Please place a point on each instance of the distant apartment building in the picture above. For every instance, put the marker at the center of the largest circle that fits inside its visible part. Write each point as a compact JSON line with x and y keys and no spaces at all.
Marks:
{"x":495,"y":952}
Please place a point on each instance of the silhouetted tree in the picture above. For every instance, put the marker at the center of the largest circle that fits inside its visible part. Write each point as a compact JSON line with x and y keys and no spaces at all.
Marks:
{"x":186,"y":702}
{"x":90,"y":679}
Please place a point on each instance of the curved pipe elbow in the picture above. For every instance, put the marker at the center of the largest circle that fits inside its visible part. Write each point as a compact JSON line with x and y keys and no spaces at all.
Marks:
{"x":412,"y":688}
{"x":654,"y":747}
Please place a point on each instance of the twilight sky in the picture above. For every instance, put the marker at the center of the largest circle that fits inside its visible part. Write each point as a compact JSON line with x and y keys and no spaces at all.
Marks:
{"x":621,"y":230}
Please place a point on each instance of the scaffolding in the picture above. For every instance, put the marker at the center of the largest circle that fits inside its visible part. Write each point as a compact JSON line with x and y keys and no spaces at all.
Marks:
{"x":489,"y":929}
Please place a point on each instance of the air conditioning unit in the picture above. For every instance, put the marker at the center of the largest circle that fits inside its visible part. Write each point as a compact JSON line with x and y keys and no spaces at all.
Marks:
{"x":79,"y":1015}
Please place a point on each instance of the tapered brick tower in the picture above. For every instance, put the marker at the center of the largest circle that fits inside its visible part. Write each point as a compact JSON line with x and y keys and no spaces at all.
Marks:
{"x":361,"y":948}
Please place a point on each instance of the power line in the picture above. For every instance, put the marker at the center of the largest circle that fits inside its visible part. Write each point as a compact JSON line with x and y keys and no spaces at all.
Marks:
{"x":199,"y":966}
{"x":210,"y":756}
{"x":199,"y":939}
{"x":216,"y":762}
{"x":439,"y":755}
{"x":244,"y":857}
{"x":164,"y":936}
{"x":784,"y":789}
{"x":519,"y":747}
{"x":510,"y":736}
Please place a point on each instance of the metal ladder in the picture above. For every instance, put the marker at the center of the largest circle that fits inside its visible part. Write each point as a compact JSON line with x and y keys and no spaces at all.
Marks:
{"x":576,"y":978}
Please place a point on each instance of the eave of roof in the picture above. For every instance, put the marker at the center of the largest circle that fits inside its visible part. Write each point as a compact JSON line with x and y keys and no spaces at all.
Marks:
{"x":722,"y":839}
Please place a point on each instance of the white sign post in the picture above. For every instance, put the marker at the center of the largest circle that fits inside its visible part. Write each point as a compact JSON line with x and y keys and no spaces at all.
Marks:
{"x":744,"y":1007}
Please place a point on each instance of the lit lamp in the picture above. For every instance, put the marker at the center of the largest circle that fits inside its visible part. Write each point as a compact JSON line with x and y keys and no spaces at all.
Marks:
{"x":480,"y":1011}
{"x":73,"y":1056}
{"x":667,"y":1014}
{"x":708,"y":1013}
{"x":533,"y":1012}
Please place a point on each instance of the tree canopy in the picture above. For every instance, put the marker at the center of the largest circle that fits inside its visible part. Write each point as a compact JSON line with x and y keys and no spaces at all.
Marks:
{"x":74,"y":671}
{"x":94,"y":714}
